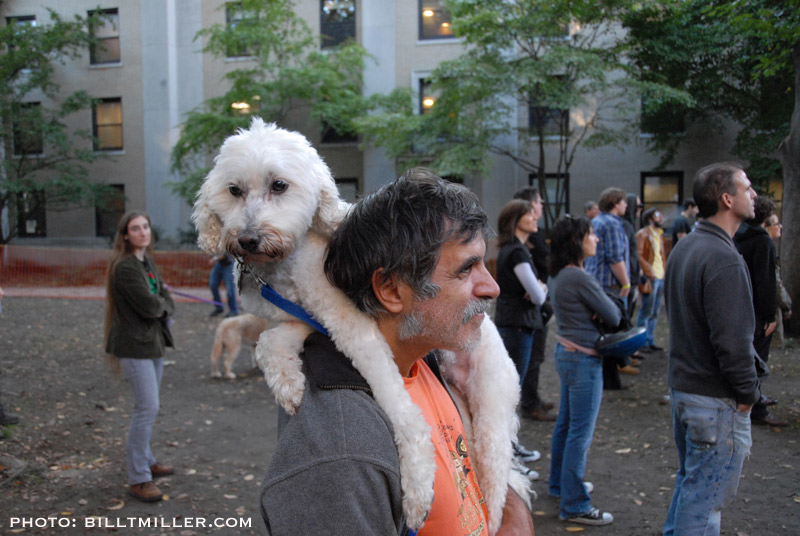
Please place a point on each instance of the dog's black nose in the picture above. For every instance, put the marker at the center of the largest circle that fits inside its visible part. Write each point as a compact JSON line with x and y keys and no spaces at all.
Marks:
{"x":248,"y":242}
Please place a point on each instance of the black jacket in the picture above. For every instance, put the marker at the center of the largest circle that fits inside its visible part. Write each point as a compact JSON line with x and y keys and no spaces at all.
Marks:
{"x":758,"y":251}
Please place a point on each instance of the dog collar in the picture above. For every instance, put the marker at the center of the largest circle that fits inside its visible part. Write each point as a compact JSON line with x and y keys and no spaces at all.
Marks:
{"x":272,"y":296}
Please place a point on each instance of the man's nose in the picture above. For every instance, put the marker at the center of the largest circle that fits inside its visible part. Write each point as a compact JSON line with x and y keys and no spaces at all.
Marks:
{"x":486,"y":287}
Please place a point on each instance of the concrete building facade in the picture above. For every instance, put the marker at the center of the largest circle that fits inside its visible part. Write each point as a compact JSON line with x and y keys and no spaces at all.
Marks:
{"x":160,"y":73}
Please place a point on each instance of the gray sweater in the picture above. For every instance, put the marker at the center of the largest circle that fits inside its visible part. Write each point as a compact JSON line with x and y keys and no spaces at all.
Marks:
{"x":336,"y":469}
{"x":576,"y":298}
{"x":711,"y":320}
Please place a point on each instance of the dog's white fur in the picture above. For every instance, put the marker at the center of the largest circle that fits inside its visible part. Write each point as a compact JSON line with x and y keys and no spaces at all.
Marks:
{"x":229,"y":336}
{"x":292,"y":227}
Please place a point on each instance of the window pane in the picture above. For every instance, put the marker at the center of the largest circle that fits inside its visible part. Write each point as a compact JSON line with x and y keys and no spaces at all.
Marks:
{"x":107,"y":115}
{"x":108,"y":50}
{"x":338,"y":22}
{"x":109,"y":137}
{"x":31,"y":214}
{"x":434,"y":20}
{"x":28,"y":137}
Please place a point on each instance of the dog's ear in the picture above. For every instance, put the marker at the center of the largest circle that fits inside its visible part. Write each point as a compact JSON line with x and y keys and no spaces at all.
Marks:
{"x":208,"y":225}
{"x":331,"y":208}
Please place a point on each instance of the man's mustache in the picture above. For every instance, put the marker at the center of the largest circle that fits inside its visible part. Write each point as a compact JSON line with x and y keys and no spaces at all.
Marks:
{"x":477,"y":307}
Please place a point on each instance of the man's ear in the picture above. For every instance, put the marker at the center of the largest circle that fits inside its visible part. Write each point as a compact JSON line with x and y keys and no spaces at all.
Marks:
{"x":390,"y":291}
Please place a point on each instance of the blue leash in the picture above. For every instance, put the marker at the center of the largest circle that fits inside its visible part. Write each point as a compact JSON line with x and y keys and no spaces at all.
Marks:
{"x":269,"y":294}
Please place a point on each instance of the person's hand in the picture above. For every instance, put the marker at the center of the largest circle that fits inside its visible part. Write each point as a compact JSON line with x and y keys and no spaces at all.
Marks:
{"x":623,"y":292}
{"x":517,"y":520}
{"x":543,"y":285}
{"x":744,"y":408}
{"x":769,"y":328}
{"x":787,"y":314}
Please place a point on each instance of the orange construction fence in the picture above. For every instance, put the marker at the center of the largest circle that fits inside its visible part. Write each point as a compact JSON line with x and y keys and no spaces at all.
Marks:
{"x":30,"y":270}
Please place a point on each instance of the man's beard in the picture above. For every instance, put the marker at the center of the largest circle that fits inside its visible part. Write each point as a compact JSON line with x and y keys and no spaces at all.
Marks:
{"x":413,"y":324}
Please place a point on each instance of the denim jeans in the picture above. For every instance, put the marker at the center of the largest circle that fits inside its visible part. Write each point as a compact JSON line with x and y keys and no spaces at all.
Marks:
{"x":651,"y":304}
{"x":581,"y":378}
{"x":529,"y":393}
{"x":518,"y":343}
{"x":144,"y":376}
{"x":713,"y":439}
{"x":223,"y":273}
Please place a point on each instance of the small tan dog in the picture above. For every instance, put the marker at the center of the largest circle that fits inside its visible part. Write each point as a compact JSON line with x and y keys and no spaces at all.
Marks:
{"x":230,"y":335}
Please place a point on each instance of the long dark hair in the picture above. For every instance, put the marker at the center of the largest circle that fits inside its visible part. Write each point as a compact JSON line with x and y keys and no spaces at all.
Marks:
{"x":120,"y":250}
{"x":509,"y":218}
{"x":566,"y":242}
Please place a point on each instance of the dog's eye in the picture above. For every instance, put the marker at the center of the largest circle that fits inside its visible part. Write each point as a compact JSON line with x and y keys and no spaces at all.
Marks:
{"x":235,"y":191}
{"x":279,"y":186}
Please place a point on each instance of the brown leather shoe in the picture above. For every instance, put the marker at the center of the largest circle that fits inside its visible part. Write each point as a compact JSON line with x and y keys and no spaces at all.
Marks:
{"x":547,"y":406}
{"x":161,"y":470}
{"x":539,"y":415}
{"x":146,"y":492}
{"x":627,"y":369}
{"x":771,"y":420}
{"x":636,"y":362}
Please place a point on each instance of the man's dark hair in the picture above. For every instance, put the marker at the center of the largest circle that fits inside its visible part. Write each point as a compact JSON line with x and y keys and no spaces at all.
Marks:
{"x":400,"y":230}
{"x":588,"y":206}
{"x":710,"y":183}
{"x":610,"y":197}
{"x":689,"y":203}
{"x":566,"y":242}
{"x":764,"y":208}
{"x":509,"y":218}
{"x":528,"y":193}
{"x":647,"y":215}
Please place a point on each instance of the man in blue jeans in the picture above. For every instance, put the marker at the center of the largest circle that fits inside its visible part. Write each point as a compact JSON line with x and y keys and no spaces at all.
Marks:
{"x":223,"y":272}
{"x":712,"y":374}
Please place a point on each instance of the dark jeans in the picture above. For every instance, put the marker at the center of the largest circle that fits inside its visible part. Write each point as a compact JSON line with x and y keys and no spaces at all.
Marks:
{"x":761,"y":344}
{"x":221,"y":273}
{"x":518,"y":345}
{"x":529,"y":397}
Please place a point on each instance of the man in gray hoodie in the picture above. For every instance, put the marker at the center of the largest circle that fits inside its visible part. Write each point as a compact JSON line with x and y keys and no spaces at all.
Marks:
{"x":712,"y":373}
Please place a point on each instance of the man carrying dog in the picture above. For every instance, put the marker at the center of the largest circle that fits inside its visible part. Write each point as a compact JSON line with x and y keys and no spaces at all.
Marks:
{"x":411,"y":255}
{"x":712,"y":374}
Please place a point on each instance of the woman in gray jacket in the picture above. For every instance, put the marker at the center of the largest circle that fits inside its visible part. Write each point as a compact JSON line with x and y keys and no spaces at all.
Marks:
{"x":137,"y":308}
{"x":577,"y":300}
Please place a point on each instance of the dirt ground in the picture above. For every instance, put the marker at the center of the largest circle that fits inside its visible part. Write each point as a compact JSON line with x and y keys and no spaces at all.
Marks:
{"x":65,"y":459}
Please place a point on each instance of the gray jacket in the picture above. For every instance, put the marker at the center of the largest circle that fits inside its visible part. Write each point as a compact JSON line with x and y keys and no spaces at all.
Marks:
{"x":711,"y":319}
{"x":336,"y":469}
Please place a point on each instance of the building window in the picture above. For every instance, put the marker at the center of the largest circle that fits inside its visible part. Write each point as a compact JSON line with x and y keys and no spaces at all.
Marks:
{"x":555,"y":196}
{"x":348,"y":188}
{"x":331,"y":135}
{"x":106,"y":31}
{"x":236,"y":16}
{"x":426,"y":96}
{"x":434,"y":20}
{"x":107,"y":124}
{"x":28,"y":136}
{"x":20,"y":23}
{"x":31,"y":214}
{"x":550,"y":120}
{"x":109,"y":210}
{"x":657,"y":117}
{"x":337,"y":22}
{"x":663,"y":190}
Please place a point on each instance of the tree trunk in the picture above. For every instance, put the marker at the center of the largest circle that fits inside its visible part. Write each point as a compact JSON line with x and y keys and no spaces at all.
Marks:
{"x":789,"y":152}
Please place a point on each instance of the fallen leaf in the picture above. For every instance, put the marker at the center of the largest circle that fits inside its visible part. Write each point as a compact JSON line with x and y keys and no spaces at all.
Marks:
{"x":117,"y":506}
{"x":249,"y":477}
{"x":574,"y":529}
{"x":637,"y":502}
{"x":229,"y":496}
{"x":623,"y":451}
{"x":539,"y":513}
{"x":191,"y":472}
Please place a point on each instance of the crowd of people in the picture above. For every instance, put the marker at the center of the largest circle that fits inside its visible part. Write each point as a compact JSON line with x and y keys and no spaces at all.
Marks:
{"x":422,"y":277}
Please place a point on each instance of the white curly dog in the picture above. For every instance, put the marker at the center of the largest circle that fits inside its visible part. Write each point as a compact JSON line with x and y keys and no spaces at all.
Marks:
{"x":271,"y":202}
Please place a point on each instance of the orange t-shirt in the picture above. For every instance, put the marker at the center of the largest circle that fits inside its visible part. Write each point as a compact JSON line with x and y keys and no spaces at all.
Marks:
{"x":458,"y":505}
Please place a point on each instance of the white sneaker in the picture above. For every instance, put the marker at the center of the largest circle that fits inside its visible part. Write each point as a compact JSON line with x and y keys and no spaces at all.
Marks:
{"x":589,"y":486}
{"x":525,"y":455}
{"x":592,"y":517}
{"x":530,"y":473}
